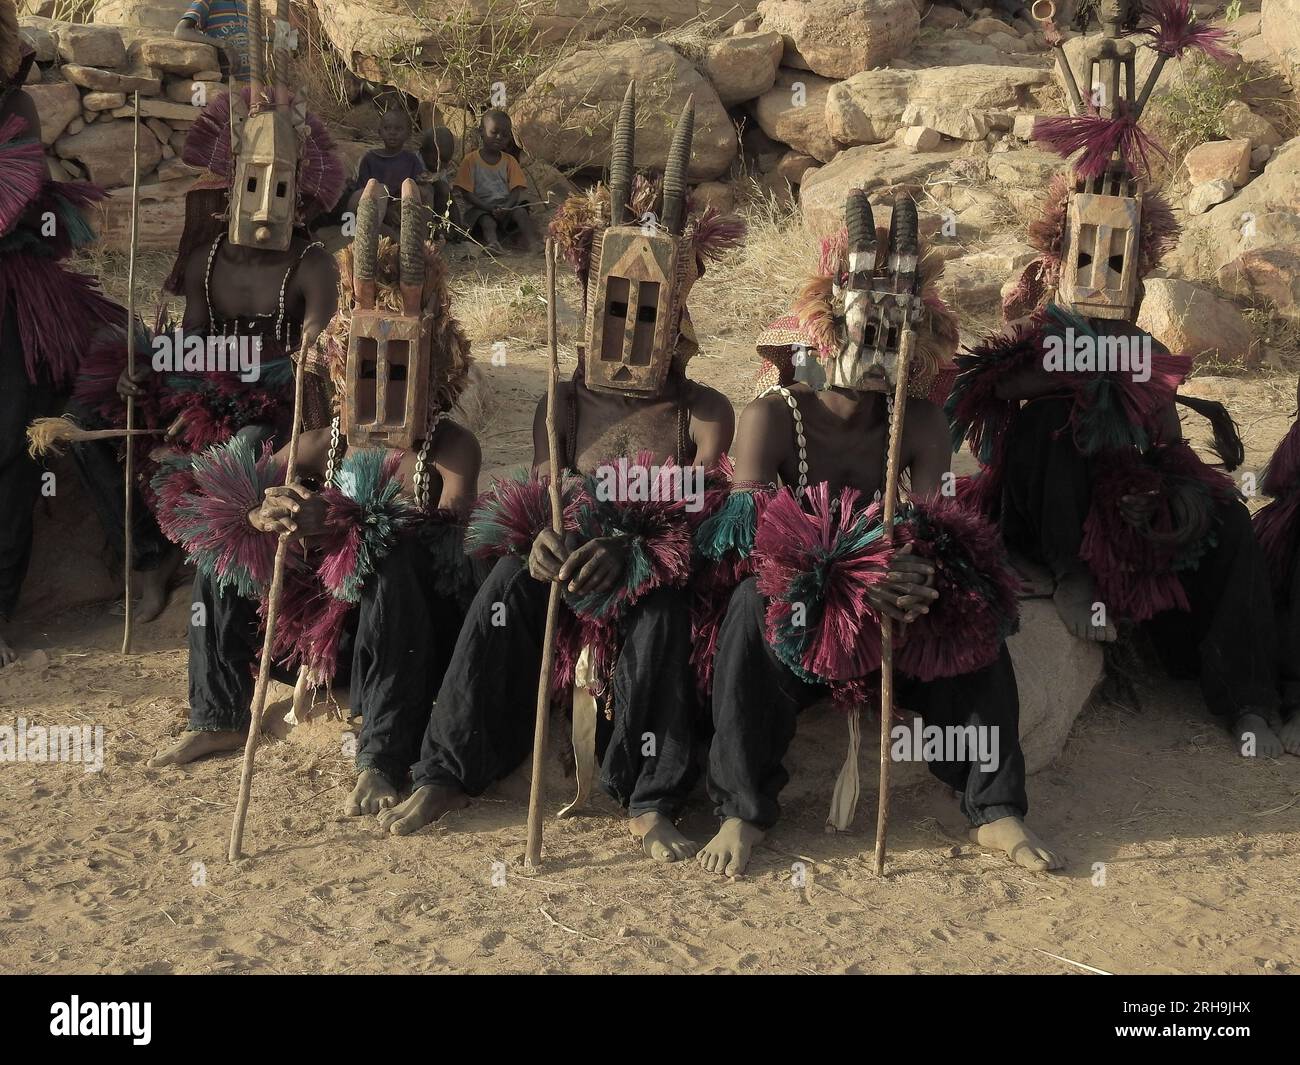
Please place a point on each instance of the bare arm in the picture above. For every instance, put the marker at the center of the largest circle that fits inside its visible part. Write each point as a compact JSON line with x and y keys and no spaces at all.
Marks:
{"x":713,"y":424}
{"x":929,"y":446}
{"x":318,"y":281}
{"x":458,"y":462}
{"x":762,"y":441}
{"x":541,"y":443}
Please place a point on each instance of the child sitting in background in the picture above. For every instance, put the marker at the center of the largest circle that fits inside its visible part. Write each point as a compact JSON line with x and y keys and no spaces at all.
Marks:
{"x":437,"y":146}
{"x":391,"y":165}
{"x":491,"y":188}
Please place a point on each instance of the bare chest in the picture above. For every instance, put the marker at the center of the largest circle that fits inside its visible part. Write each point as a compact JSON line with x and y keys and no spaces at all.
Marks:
{"x":607,"y":431}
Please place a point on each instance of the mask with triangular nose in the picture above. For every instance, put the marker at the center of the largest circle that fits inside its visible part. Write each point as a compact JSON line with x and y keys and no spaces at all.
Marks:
{"x":1099,"y":263}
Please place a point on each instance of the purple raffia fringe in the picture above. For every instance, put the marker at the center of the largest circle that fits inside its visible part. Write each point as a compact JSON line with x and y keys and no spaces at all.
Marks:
{"x":978,"y":605}
{"x":1173,"y":30}
{"x":1136,"y":568}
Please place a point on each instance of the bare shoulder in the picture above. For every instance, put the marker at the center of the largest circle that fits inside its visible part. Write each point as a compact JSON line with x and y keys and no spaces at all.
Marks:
{"x":925,"y":422}
{"x":708,"y":403}
{"x":313,"y":450}
{"x":563,"y":391}
{"x":316,"y":262}
{"x":457,"y":447}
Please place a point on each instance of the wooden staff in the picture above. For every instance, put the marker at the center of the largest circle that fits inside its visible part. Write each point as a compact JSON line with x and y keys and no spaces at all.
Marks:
{"x":128,"y":540}
{"x":906,"y":343}
{"x":272,"y":611}
{"x":533,"y":851}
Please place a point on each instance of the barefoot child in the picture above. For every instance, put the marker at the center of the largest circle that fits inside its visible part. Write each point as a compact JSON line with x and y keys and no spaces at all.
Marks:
{"x":624,"y":564}
{"x":805,"y":622}
{"x":492,"y":188}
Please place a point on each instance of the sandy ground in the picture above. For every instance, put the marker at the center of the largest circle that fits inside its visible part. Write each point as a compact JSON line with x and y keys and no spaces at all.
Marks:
{"x":1184,"y":858}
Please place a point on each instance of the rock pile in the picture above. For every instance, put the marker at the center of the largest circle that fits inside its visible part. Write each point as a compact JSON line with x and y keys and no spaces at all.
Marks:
{"x":83,"y":83}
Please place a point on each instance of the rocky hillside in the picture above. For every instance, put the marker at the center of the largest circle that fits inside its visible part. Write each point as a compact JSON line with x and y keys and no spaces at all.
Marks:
{"x":797,"y":102}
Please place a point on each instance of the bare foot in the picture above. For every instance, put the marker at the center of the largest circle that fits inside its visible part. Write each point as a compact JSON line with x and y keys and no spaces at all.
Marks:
{"x":729,"y":851}
{"x":195,"y":745}
{"x":154,"y":584}
{"x":1074,"y":599}
{"x":1009,"y":835}
{"x":8,"y":656}
{"x":372,"y":794}
{"x":660,"y":839}
{"x":425,"y":806}
{"x":1290,"y":733}
{"x":1256,"y":738}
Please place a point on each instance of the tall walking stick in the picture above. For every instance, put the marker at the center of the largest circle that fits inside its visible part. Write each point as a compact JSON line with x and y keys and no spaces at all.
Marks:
{"x":128,"y":540}
{"x":533,"y":850}
{"x":902,"y":268}
{"x":272,"y":612}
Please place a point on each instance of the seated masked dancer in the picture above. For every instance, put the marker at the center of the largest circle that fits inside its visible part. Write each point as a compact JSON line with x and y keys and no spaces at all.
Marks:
{"x":49,"y":315}
{"x":378,"y":581}
{"x":1277,"y":528}
{"x":816,"y":574}
{"x":632,"y":416}
{"x":259,"y":292}
{"x":1072,"y":416}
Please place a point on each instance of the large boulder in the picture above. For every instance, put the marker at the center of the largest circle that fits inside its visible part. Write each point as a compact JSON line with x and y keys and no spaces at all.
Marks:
{"x":391,"y":39}
{"x":793,"y":112}
{"x":1260,"y":217}
{"x":149,"y":14}
{"x":104,"y":149}
{"x":1240,"y":121}
{"x":92,"y":46}
{"x":39,"y":35}
{"x":57,"y":104}
{"x":883,"y":168}
{"x":172,"y":56}
{"x":1280,"y":28}
{"x":96,"y":80}
{"x":839,"y":38}
{"x":1193,"y":320}
{"x":972,"y":285}
{"x":743,"y":66}
{"x":1265,"y":265}
{"x":567,"y":115}
{"x":869,"y":107}
{"x":1215,"y":160}
{"x":162,"y":215}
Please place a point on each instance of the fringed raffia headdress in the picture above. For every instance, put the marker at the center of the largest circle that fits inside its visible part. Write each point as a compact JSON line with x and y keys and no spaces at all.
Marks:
{"x":815,"y":327}
{"x":1092,"y":239}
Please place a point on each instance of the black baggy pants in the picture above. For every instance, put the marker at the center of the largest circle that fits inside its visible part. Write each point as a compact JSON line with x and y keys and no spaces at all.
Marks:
{"x":394,"y":653}
{"x":482,"y":725}
{"x":757,"y":699}
{"x":1228,"y":637}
